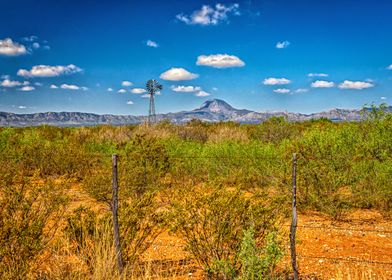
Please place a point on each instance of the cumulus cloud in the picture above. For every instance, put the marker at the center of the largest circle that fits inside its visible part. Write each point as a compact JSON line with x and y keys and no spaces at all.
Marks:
{"x":37,"y":84}
{"x":358,"y":85}
{"x":138,"y":90}
{"x":322,"y":84}
{"x":208,"y":15}
{"x":36,"y":45}
{"x":282,"y":90}
{"x":301,"y":90}
{"x":282,"y":45}
{"x":11,"y":48}
{"x":145,"y":96}
{"x":220,"y":61}
{"x":152,"y":44}
{"x":178,"y":74}
{"x":126,"y":84}
{"x":54,"y":87}
{"x":27,"y":88}
{"x":202,"y":93}
{"x":129,"y":102}
{"x":198,"y":91}
{"x":389,"y":67}
{"x":9,"y":83}
{"x":69,"y":87}
{"x":49,"y":71}
{"x":311,"y":75}
{"x":185,"y":88}
{"x":22,"y":107}
{"x":383,"y":98}
{"x":110,"y":89}
{"x":276,"y":81}
{"x":122,"y":91}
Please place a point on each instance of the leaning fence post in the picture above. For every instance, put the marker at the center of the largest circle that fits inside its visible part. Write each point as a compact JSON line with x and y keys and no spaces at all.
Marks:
{"x":116,"y":230}
{"x":293,"y":227}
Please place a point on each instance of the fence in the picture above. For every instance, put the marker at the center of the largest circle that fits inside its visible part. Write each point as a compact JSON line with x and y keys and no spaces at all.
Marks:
{"x":287,"y":173}
{"x":295,"y":173}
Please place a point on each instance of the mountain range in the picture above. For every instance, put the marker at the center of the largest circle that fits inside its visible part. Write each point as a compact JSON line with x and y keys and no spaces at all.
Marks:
{"x":215,"y":110}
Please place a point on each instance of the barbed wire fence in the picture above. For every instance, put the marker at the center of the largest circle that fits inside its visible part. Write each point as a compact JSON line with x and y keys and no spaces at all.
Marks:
{"x":296,"y":172}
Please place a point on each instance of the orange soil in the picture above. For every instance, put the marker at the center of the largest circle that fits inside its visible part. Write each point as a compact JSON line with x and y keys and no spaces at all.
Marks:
{"x":364,"y":239}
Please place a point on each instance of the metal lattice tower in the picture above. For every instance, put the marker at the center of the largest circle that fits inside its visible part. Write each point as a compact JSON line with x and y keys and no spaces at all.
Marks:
{"x":153,"y":87}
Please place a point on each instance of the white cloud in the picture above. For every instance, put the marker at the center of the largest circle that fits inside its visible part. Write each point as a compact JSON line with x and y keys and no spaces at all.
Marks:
{"x":317,"y":75}
{"x":9,"y":83}
{"x":36,"y":45}
{"x":282,"y":90}
{"x":10,"y":48}
{"x":215,"y":89}
{"x":109,"y":89}
{"x":84,"y":88}
{"x":301,"y":90}
{"x":185,"y":88}
{"x":22,"y":107}
{"x":389,"y":67}
{"x":27,"y":88}
{"x":208,"y":15}
{"x":145,"y":96}
{"x":36,"y":84}
{"x":49,"y":71}
{"x":199,"y":92}
{"x":202,"y":93}
{"x":178,"y":74}
{"x":152,"y":44}
{"x":276,"y":81}
{"x":383,"y":98}
{"x":358,"y":85}
{"x":322,"y":84}
{"x":130,"y":102}
{"x":122,"y":91}
{"x":126,"y":84}
{"x":31,"y":38}
{"x":70,"y":87}
{"x":220,"y":61}
{"x":282,"y":45}
{"x":138,"y":90}
{"x":54,"y":87}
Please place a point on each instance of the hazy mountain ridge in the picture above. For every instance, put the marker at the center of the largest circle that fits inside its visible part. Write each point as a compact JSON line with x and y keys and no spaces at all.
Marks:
{"x":210,"y":111}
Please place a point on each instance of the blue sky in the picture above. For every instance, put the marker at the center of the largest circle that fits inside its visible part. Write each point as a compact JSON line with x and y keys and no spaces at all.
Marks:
{"x":300,"y":56}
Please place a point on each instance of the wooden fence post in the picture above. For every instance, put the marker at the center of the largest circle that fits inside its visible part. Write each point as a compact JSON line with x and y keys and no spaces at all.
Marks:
{"x":116,"y":230}
{"x":293,"y":227}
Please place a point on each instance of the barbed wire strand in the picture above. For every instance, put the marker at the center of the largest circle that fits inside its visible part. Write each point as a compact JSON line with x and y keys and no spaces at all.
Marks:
{"x":354,"y":260}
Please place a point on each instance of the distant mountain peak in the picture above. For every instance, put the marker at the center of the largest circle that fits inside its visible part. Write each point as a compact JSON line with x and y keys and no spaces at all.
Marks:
{"x":215,"y":106}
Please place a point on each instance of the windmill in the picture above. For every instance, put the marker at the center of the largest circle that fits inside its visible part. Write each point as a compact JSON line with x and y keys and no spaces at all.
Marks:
{"x":152,"y":87}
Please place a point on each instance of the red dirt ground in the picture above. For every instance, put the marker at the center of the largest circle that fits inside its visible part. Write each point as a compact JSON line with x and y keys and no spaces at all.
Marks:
{"x":358,"y":247}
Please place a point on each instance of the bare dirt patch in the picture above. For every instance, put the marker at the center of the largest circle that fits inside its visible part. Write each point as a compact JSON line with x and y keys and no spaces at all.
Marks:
{"x":358,"y":247}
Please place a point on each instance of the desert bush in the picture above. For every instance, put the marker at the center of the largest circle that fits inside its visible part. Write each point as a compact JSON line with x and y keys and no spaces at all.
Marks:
{"x":30,"y":211}
{"x":145,"y":161}
{"x":212,"y":224}
{"x":259,"y":262}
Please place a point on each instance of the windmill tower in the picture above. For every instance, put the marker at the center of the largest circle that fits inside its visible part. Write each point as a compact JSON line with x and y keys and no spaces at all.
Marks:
{"x":153,"y":87}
